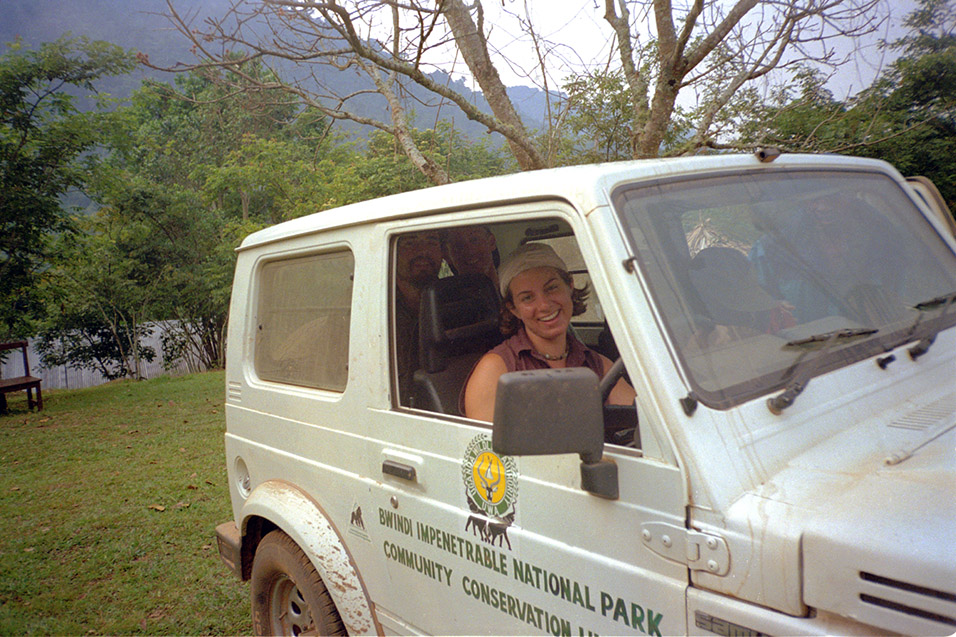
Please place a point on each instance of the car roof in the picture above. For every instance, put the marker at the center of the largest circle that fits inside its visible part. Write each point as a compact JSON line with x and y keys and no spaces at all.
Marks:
{"x":582,"y":186}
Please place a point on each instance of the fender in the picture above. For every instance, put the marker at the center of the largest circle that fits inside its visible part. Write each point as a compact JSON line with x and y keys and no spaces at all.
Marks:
{"x":304,"y":520}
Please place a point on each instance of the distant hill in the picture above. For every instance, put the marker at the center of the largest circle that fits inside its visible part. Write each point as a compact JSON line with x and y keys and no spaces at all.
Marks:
{"x":140,"y":25}
{"x":131,"y":24}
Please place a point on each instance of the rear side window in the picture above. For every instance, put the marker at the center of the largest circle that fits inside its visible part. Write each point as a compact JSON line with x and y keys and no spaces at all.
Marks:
{"x":302,"y":335}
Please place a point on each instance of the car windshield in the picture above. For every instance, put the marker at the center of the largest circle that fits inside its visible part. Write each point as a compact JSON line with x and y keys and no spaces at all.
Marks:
{"x":757,"y":276}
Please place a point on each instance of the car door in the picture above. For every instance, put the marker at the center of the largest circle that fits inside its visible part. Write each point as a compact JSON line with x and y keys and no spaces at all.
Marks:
{"x":467,"y":540}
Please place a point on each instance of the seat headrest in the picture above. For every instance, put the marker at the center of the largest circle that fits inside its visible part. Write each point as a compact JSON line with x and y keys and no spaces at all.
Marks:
{"x":728,"y":286}
{"x":457,"y":315}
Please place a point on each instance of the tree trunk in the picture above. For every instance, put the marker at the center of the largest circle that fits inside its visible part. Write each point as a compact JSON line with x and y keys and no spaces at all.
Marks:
{"x":637,"y":85}
{"x":244,"y":199}
{"x":474,"y":49}
{"x":662,"y":107}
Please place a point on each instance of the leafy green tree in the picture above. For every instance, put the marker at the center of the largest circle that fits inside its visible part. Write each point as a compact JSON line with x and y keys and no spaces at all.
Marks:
{"x":802,"y":116}
{"x":598,"y":122}
{"x":269,"y":181}
{"x":385,"y":169}
{"x":921,"y":99}
{"x":45,"y":146}
{"x":907,"y":117}
{"x":598,"y":119}
{"x":195,"y":168}
{"x":100,"y":297}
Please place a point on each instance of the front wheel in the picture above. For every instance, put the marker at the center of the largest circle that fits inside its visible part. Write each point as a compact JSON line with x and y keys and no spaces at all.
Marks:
{"x":288,"y":596}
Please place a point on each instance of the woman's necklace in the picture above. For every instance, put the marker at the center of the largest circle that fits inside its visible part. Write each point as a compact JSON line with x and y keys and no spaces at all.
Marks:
{"x":559,"y":357}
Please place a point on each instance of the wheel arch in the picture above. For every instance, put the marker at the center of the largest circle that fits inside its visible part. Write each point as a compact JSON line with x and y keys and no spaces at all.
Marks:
{"x":281,"y":505}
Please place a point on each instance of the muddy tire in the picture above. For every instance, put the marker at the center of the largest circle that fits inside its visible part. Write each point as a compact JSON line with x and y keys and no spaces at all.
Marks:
{"x":288,"y":596}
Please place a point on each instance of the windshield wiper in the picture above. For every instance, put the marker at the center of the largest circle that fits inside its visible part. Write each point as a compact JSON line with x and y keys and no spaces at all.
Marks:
{"x":826,"y":337}
{"x":945,"y":301}
{"x":935,"y":302}
{"x":799,"y":382}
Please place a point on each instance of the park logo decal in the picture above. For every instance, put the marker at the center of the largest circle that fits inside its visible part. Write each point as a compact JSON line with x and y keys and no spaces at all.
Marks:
{"x":491,"y":489}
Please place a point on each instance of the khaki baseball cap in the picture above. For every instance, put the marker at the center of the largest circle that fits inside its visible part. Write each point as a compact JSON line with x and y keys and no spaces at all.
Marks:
{"x":527,"y":257}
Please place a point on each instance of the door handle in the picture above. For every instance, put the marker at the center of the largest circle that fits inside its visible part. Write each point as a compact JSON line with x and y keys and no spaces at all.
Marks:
{"x":399,"y":470}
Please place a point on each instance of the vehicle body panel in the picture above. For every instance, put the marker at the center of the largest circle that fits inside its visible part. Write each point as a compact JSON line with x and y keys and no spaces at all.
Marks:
{"x":792,"y":506}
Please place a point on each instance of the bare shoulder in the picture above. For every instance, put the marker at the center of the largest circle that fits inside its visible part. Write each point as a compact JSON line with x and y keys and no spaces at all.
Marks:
{"x":482,"y":386}
{"x":490,"y":363}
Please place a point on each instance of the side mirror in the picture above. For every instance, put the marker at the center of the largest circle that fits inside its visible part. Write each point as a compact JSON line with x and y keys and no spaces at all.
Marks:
{"x":553,"y":411}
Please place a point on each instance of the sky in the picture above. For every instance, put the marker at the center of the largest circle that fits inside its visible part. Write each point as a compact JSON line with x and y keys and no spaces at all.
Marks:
{"x":580,"y":36}
{"x":579,"y":40}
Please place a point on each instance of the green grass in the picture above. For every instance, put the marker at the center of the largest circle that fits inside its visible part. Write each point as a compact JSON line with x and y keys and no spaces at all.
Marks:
{"x":109,"y":499}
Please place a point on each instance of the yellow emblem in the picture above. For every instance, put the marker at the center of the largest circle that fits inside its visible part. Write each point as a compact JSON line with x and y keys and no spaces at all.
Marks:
{"x":491,"y":481}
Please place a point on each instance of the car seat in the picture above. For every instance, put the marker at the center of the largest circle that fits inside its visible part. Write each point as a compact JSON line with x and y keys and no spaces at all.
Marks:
{"x":458,"y":323}
{"x":728,"y":286}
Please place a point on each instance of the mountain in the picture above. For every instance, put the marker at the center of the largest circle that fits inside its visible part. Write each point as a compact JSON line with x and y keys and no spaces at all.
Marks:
{"x":141,"y":25}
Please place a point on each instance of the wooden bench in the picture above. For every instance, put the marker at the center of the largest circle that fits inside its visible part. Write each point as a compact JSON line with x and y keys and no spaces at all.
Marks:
{"x":27,"y":382}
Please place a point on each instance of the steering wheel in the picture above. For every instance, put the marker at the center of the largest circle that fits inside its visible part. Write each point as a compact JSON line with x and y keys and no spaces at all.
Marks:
{"x":610,"y":379}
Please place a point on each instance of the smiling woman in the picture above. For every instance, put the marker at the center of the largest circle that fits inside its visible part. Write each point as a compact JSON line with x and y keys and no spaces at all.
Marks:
{"x":539,"y":301}
{"x":542,"y":302}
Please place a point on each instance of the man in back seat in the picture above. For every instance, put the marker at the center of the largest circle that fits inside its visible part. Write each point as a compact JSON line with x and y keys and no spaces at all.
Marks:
{"x":418,"y":259}
{"x":471,"y":250}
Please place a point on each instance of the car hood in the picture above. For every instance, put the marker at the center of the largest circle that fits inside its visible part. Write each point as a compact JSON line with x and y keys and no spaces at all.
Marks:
{"x":879,"y":535}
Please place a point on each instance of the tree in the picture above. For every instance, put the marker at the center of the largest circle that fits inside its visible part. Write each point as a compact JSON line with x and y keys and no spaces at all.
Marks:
{"x":384,"y":168}
{"x":100,"y":298}
{"x":709,"y":48}
{"x":45,"y":149}
{"x":598,"y":119}
{"x":922,"y":98}
{"x":168,"y":180}
{"x":598,"y":124}
{"x":906,"y":117}
{"x":196,"y":167}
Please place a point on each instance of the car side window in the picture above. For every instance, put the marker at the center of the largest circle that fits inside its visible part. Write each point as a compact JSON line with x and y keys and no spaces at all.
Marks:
{"x":445,"y":312}
{"x":303,"y":316}
{"x":447,"y":308}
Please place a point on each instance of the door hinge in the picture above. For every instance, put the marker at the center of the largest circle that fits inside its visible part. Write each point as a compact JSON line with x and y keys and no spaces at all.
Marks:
{"x":699,"y":551}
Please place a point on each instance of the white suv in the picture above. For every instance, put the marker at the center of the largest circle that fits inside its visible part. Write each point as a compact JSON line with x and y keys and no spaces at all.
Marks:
{"x":787,"y":468}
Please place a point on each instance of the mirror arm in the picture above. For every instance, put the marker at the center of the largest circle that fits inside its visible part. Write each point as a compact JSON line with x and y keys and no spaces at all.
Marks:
{"x":600,"y":478}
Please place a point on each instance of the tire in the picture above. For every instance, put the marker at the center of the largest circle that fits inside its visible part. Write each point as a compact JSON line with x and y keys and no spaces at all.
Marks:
{"x":288,"y":596}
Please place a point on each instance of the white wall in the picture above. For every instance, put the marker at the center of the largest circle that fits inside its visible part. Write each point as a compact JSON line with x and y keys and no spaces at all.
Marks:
{"x":62,"y":377}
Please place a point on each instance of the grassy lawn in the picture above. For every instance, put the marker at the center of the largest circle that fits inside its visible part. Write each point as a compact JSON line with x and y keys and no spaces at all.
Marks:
{"x":108,"y":502}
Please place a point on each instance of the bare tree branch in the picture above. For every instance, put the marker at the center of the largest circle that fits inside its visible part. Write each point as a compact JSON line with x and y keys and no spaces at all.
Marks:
{"x":637,"y":82}
{"x":474,"y":49}
{"x":711,"y":48}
